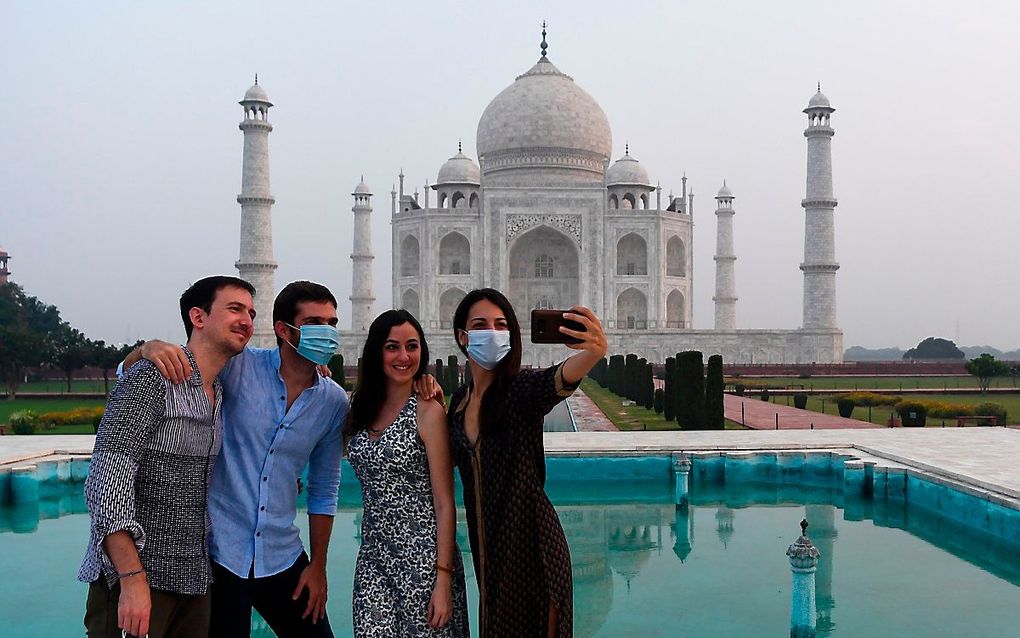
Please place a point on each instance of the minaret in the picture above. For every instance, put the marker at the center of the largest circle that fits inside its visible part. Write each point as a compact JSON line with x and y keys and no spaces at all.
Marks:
{"x":725,"y":263}
{"x":4,"y":272}
{"x":255,"y":264}
{"x":361,"y":255}
{"x":819,"y":230}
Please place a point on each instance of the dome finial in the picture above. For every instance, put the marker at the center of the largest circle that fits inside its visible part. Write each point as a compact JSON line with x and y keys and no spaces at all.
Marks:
{"x":545,"y":46}
{"x":626,"y":149}
{"x":256,"y":78}
{"x":459,"y":149}
{"x":819,"y":87}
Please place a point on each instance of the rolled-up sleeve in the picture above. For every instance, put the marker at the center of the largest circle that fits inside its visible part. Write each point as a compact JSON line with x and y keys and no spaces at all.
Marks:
{"x":122,"y":439}
{"x":324,"y":468}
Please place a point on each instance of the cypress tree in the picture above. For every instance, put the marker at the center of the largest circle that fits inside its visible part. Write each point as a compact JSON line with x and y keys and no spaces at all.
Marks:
{"x":452,"y":375}
{"x":336,"y":367}
{"x":649,"y":386}
{"x":669,"y":390}
{"x":658,"y":402}
{"x":714,"y":386}
{"x":630,"y":376}
{"x":690,"y":412}
{"x":440,"y":374}
{"x":616,"y":368}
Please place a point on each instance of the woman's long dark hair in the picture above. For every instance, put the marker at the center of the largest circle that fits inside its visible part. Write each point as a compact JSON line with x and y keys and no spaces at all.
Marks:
{"x":371,"y":390}
{"x":495,"y":396}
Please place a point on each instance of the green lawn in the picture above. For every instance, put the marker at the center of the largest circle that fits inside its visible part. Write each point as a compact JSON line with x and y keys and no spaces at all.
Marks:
{"x":881,"y":414}
{"x":60,"y":386}
{"x":632,"y":417}
{"x":7,"y":407}
{"x":873,"y":383}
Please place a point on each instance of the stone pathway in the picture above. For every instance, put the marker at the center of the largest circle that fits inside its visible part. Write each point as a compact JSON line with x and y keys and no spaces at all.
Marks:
{"x":587,"y":415}
{"x":761,"y":415}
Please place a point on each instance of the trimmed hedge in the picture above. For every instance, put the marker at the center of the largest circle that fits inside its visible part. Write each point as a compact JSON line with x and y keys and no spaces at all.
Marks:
{"x":70,"y":417}
{"x":23,"y":422}
{"x":912,"y":413}
{"x":658,"y":401}
{"x":846,"y":407}
{"x":800,"y":401}
{"x":715,"y":418}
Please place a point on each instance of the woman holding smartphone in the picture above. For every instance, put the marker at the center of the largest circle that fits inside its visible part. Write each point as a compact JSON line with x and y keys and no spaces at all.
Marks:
{"x":522,"y":562}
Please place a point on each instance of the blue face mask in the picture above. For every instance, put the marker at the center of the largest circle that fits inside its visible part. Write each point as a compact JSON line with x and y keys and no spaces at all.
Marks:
{"x":318,"y":343}
{"x":488,"y":347}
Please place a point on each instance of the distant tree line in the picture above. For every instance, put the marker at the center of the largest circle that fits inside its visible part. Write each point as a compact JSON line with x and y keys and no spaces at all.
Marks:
{"x":32,"y":336}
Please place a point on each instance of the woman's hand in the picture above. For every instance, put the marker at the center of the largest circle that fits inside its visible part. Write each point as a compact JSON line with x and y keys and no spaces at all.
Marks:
{"x":593,"y":338}
{"x":441,"y":603}
{"x":427,"y":388}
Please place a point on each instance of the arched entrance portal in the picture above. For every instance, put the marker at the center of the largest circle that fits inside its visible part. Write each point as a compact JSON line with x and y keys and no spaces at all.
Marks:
{"x":544,"y":272}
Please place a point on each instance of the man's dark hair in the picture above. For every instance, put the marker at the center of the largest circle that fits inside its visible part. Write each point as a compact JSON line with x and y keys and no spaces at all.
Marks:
{"x":285,"y":307}
{"x":202,"y":293}
{"x":370,"y":395}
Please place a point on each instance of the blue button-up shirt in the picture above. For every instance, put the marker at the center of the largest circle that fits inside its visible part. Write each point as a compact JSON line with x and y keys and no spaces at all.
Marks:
{"x":253,"y":492}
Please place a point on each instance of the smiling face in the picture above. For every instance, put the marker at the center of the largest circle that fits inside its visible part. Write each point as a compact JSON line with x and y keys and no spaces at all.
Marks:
{"x":230,"y":321}
{"x":401,"y":353}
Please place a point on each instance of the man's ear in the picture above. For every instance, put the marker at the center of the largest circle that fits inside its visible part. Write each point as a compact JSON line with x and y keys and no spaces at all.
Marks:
{"x":197,"y":317}
{"x":281,"y":330}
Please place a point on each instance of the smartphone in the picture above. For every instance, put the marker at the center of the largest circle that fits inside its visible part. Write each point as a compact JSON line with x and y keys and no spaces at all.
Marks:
{"x":545,"y":327}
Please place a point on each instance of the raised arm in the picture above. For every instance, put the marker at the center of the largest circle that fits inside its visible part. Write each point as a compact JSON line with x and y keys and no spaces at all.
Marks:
{"x":169,"y":359}
{"x":592,"y":348}
{"x":433,"y":431}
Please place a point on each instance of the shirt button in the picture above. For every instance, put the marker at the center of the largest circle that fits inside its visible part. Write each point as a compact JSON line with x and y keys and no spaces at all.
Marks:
{"x":263,"y":508}
{"x":265,"y":478}
{"x":281,"y":427}
{"x":272,"y":450}
{"x":283,"y":398}
{"x":258,"y":533}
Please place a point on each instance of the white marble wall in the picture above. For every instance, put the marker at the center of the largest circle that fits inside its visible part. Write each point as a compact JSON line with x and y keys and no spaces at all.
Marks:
{"x":362,"y":299}
{"x":725,"y":268}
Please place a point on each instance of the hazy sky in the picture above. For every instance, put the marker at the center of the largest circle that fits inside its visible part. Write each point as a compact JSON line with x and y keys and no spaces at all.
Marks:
{"x":120,"y":156}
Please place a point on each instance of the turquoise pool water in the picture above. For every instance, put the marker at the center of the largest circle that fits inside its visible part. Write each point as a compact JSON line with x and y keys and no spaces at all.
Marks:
{"x":643,"y":568}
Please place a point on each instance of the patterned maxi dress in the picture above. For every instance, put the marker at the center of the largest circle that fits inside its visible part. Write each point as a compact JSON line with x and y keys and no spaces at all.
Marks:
{"x":395,"y":572}
{"x":522,"y":562}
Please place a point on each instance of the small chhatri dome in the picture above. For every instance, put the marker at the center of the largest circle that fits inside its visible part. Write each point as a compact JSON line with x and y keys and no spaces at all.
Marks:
{"x":362,"y":188}
{"x":627,"y":171}
{"x":724,"y":192}
{"x":256,"y":93}
{"x":818,"y":100}
{"x":459,"y":169}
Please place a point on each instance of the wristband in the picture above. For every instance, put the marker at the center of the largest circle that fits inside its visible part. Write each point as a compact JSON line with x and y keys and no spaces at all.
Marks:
{"x":130,"y":574}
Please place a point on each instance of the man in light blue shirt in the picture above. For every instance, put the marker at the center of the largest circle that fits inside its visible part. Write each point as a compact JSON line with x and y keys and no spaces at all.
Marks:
{"x":279,"y":415}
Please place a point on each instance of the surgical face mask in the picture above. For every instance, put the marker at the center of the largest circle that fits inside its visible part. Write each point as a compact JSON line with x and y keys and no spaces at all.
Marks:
{"x":318,"y":343}
{"x":488,"y":347}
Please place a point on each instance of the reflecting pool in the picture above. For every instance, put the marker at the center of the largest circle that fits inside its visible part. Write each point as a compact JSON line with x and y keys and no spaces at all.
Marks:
{"x":642,"y":567}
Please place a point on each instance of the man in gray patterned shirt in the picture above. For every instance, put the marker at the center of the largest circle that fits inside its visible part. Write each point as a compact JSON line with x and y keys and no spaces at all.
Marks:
{"x":147,"y":562}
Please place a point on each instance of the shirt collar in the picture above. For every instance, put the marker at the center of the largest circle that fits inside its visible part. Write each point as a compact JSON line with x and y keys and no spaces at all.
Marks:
{"x":196,"y":376}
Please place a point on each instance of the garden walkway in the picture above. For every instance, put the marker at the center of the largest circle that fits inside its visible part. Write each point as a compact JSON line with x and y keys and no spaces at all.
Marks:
{"x":587,"y":415}
{"x":761,"y":415}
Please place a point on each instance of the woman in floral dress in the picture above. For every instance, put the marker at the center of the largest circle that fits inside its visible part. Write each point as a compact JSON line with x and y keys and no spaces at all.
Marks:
{"x":409,"y":578}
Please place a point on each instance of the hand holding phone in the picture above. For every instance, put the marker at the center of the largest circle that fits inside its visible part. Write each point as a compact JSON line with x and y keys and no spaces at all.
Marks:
{"x":545,"y":327}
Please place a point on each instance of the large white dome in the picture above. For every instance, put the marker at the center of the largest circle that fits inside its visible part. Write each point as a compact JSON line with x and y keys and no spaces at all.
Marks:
{"x":545,"y":110}
{"x":459,"y":169}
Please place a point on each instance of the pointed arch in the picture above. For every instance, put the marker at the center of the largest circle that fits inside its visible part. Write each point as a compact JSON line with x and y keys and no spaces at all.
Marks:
{"x":454,"y":254}
{"x":410,"y":255}
{"x":457,"y":201}
{"x":676,"y":257}
{"x":614,"y":201}
{"x":473,"y":201}
{"x":448,"y":302}
{"x":410,"y":302}
{"x":632,"y":309}
{"x":676,"y":311}
{"x":632,"y":255}
{"x":627,"y":203}
{"x":544,"y":268}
